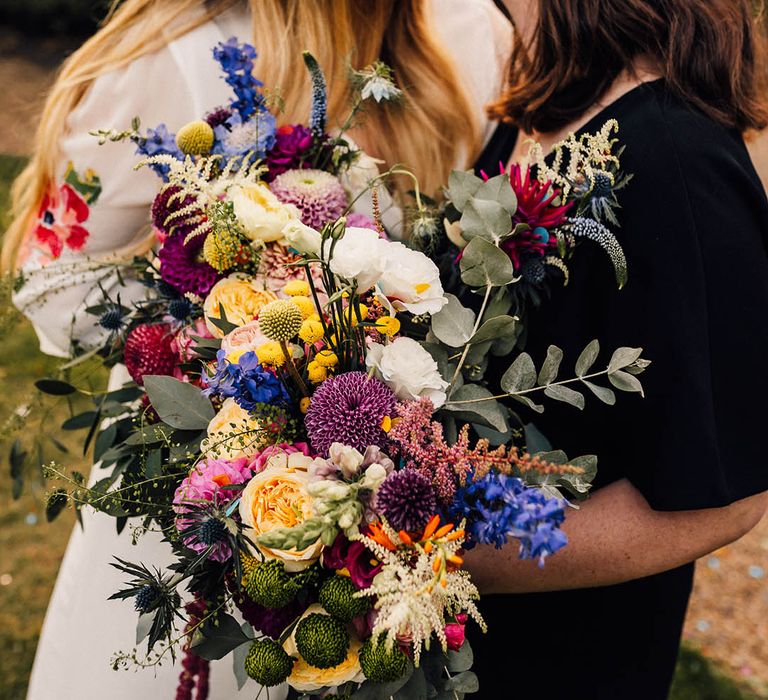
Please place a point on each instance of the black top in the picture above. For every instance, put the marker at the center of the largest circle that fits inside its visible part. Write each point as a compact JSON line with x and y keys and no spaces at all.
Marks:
{"x":694,"y":227}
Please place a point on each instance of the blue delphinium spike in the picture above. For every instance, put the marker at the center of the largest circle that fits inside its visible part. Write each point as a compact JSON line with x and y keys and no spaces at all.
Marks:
{"x":318,"y":115}
{"x":237,"y":63}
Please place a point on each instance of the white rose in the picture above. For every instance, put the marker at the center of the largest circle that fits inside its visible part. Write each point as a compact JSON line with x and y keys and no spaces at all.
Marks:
{"x":411,"y":280}
{"x":302,"y":237}
{"x":358,"y":255}
{"x":262,"y":215}
{"x":408,"y":369}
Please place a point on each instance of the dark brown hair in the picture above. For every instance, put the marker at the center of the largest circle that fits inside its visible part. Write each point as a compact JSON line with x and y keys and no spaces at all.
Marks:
{"x":710,"y":52}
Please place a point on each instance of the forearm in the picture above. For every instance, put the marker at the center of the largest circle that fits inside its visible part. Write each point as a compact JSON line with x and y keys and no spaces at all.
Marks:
{"x":614,"y":537}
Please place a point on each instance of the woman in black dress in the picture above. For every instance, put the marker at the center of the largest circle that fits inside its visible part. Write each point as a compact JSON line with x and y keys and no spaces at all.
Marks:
{"x":683,"y":471}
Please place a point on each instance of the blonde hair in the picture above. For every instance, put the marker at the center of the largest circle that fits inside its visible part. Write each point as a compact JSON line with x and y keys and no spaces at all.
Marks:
{"x":429,"y":133}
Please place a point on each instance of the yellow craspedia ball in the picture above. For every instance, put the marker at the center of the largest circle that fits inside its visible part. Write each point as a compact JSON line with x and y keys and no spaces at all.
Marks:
{"x":306,"y":306}
{"x":359,"y":315}
{"x":388,"y":325}
{"x":280,"y":320}
{"x":311,"y":331}
{"x":297,"y":288}
{"x":304,"y":404}
{"x":316,"y":373}
{"x":326,"y":358}
{"x":271,"y":354}
{"x":195,"y":138}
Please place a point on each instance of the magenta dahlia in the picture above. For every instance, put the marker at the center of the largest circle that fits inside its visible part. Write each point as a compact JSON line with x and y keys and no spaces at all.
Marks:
{"x":293,"y":142}
{"x":149,"y":350}
{"x":318,"y":195}
{"x":182,"y":266}
{"x":349,"y":409}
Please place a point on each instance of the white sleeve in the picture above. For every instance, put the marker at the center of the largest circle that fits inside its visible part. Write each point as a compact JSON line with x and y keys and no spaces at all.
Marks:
{"x":84,"y":219}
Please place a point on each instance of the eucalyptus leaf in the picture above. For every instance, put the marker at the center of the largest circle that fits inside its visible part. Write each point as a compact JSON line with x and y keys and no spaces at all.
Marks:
{"x":483,"y":218}
{"x":238,"y":659}
{"x":558,"y":392}
{"x":460,"y":660}
{"x":55,"y":387}
{"x":623,"y":357}
{"x":462,"y":185}
{"x":465,"y":682}
{"x":16,"y":458}
{"x":179,"y":404}
{"x":55,"y":503}
{"x":495,"y":329}
{"x":602,"y":393}
{"x":80,"y":421}
{"x":529,"y":402}
{"x":587,"y":358}
{"x":520,"y":376}
{"x":535,"y":440}
{"x":454,"y":323}
{"x":483,"y":264}
{"x":499,"y":189}
{"x":385,"y":691}
{"x":551,"y":365}
{"x":624,"y":381}
{"x":480,"y":407}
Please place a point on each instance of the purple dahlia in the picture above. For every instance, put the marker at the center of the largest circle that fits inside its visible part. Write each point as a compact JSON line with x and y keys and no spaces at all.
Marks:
{"x":349,"y":409}
{"x":407,"y":500}
{"x":182,"y":266}
{"x":293,"y":142}
{"x":318,"y":195}
{"x":165,"y":204}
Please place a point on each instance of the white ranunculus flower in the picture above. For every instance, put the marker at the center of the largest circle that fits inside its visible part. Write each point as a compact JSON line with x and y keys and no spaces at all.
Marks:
{"x":411,"y":281}
{"x":302,"y":237}
{"x":408,"y":369}
{"x":262,"y":215}
{"x":359,"y":255}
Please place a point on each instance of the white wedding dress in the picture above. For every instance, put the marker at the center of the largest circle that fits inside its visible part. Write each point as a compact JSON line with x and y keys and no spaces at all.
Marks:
{"x":82,"y":629}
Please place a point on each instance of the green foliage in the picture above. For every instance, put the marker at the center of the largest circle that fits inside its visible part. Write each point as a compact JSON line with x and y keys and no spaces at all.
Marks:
{"x":179,"y":404}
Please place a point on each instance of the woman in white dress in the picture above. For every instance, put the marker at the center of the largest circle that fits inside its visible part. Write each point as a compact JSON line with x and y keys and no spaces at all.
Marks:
{"x":153,"y":58}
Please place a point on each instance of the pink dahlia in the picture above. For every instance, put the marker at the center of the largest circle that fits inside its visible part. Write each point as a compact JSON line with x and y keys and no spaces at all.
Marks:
{"x":318,"y":195}
{"x":149,"y":350}
{"x":293,"y":142}
{"x":349,"y":409}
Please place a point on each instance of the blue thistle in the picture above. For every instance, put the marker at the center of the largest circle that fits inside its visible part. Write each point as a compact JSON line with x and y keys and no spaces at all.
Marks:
{"x":318,"y":115}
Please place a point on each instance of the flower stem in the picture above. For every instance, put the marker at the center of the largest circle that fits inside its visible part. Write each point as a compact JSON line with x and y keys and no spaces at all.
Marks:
{"x":292,"y":368}
{"x":464,"y":354}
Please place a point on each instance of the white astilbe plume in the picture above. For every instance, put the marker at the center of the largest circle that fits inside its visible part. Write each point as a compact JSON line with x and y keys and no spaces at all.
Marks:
{"x":414,"y":595}
{"x":201,"y":180}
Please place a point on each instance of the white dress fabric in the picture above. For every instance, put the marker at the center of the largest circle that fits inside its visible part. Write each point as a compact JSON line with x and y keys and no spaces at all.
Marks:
{"x":82,"y":629}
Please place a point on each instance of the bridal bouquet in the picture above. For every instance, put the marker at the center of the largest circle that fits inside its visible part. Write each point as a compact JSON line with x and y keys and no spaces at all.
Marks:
{"x":309,"y":423}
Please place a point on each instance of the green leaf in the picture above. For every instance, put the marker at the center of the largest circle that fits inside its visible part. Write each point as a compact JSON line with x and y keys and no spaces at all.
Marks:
{"x":153,"y":466}
{"x":16,"y":458}
{"x":179,"y":404}
{"x":454,"y":323}
{"x":558,"y":392}
{"x":238,"y":659}
{"x":104,"y":440}
{"x":385,"y":691}
{"x":80,"y":421}
{"x":481,"y":408}
{"x":535,"y":440}
{"x":217,"y":640}
{"x":551,"y":366}
{"x":623,"y":357}
{"x":483,"y":218}
{"x":624,"y":381}
{"x":496,"y":328}
{"x":484,"y":264}
{"x":528,"y":402}
{"x":520,"y":376}
{"x":460,"y":660}
{"x":143,"y":626}
{"x":465,"y":682}
{"x":462,"y":185}
{"x":55,"y":387}
{"x":499,"y":189}
{"x":602,"y":393}
{"x":587,"y":358}
{"x":55,"y":504}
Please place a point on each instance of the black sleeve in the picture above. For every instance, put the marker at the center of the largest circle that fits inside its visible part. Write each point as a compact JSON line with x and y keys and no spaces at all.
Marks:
{"x":694,"y":231}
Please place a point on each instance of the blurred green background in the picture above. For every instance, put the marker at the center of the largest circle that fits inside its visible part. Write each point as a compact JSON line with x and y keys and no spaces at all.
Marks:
{"x":724,"y":658}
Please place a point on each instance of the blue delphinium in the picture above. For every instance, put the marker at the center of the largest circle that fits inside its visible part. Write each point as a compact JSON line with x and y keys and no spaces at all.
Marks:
{"x":246,"y":381}
{"x":237,"y":63}
{"x":156,"y":142}
{"x":498,"y":506}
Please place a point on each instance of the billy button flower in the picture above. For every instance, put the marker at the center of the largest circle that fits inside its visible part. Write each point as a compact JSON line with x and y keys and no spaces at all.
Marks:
{"x":195,"y":138}
{"x":388,"y":325}
{"x":281,"y":321}
{"x":271,"y":354}
{"x":295,"y":288}
{"x":311,"y":331}
{"x":305,"y":304}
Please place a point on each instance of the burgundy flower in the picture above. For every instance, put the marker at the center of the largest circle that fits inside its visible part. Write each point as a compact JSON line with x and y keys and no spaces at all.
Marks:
{"x":148,"y":350}
{"x":269,"y":621}
{"x":164,"y":204}
{"x":182,"y":266}
{"x":292,"y":144}
{"x":355,"y":558}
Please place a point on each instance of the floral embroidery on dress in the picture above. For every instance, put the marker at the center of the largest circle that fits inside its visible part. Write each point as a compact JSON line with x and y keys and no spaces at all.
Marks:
{"x":63,"y":212}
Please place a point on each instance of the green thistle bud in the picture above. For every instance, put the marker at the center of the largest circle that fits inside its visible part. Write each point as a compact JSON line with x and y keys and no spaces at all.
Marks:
{"x":195,"y":138}
{"x":382,"y":665}
{"x":322,"y":640}
{"x":337,"y":597}
{"x":269,"y":585}
{"x":280,"y":320}
{"x":268,"y":663}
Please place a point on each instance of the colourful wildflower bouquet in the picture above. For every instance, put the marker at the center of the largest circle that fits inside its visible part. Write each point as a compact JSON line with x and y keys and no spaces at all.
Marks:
{"x":308,"y":421}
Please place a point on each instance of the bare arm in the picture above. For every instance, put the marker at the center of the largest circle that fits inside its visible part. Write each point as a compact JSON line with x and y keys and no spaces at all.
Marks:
{"x":614,"y":537}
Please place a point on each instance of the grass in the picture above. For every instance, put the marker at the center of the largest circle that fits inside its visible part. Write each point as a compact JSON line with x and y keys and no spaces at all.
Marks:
{"x":31,"y":549}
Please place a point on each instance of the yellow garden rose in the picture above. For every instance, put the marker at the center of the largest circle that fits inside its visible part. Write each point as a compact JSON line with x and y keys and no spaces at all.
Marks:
{"x":306,"y":678}
{"x":241,"y":298}
{"x":277,"y":497}
{"x":234,"y":433}
{"x":262,"y":215}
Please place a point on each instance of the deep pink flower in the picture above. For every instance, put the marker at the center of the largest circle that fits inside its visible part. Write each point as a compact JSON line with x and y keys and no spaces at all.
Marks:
{"x":355,"y":558}
{"x":454,"y":632}
{"x":292,"y":145}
